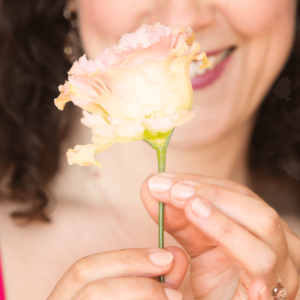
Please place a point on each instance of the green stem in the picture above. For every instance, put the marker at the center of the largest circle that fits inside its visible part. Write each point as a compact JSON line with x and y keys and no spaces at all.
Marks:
{"x":160,"y":143}
{"x":161,"y":158}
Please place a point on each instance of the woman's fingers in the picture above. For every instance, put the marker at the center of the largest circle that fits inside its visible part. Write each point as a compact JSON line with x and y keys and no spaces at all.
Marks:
{"x":229,"y":184}
{"x":247,"y":251}
{"x":250,"y":253}
{"x":122,"y":263}
{"x":258,"y":291}
{"x":244,"y":249}
{"x":127,"y":288}
{"x":175,"y":221}
{"x":251,"y":213}
{"x":254,"y":215}
{"x":248,"y":230}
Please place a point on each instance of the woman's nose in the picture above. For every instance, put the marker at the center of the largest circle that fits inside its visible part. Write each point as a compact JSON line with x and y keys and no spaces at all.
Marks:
{"x":194,"y":13}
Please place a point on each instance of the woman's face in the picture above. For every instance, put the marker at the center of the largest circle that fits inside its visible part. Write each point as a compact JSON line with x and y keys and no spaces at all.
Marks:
{"x":225,"y":98}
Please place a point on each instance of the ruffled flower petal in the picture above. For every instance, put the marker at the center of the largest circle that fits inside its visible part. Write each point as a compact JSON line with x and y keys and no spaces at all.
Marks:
{"x":83,"y":155}
{"x":183,"y":117}
{"x":128,"y":129}
{"x":100,"y":126}
{"x":84,"y":67}
{"x":166,"y":124}
{"x":61,"y":101}
{"x":163,"y":125}
{"x":92,"y":120}
{"x":135,"y":90}
{"x":131,"y":90}
{"x":63,"y":98}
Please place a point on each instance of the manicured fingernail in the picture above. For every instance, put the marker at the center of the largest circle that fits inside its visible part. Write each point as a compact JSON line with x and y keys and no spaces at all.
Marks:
{"x":263,"y":294}
{"x":173,"y":294}
{"x":182,"y":192}
{"x":201,"y":209}
{"x":160,"y":184}
{"x":161,"y":258}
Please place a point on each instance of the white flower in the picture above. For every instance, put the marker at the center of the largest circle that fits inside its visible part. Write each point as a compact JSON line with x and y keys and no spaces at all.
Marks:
{"x":134,"y":90}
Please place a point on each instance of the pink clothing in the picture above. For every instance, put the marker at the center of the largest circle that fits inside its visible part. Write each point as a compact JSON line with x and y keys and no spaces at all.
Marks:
{"x":2,"y":295}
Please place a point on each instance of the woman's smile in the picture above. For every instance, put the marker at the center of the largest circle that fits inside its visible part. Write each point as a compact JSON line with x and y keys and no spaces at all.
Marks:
{"x":204,"y":77}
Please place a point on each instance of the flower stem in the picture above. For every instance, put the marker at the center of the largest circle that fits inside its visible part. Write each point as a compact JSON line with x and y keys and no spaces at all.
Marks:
{"x":160,"y":143}
{"x":161,"y":158}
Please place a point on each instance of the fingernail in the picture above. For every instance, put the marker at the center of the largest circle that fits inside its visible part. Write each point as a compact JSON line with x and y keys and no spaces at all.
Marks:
{"x":263,"y":294}
{"x":201,"y":209}
{"x":182,"y":192}
{"x":161,"y":258}
{"x":173,"y":294}
{"x":160,"y":184}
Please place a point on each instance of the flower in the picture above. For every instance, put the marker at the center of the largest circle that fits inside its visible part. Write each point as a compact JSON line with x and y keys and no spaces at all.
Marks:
{"x":135,"y":90}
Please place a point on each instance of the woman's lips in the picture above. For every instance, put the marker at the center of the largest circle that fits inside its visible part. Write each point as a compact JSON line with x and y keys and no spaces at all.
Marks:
{"x":210,"y":76}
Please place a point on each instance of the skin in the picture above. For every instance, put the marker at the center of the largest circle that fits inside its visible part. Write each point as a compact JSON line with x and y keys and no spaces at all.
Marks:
{"x":225,"y":236}
{"x":244,"y":239}
{"x":262,"y":49}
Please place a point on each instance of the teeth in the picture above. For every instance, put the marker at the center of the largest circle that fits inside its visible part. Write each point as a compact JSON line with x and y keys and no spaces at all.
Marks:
{"x":214,"y":59}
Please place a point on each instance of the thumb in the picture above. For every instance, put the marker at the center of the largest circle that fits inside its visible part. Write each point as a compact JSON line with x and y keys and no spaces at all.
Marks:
{"x":174,"y":218}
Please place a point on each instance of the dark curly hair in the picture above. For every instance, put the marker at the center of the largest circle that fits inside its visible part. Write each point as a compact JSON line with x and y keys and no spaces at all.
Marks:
{"x":33,"y":64}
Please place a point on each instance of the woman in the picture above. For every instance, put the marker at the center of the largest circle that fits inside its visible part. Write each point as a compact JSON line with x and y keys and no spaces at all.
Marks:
{"x":244,"y":141}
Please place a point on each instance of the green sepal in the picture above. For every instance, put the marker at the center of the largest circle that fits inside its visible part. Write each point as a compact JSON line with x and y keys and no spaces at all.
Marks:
{"x":160,"y":141}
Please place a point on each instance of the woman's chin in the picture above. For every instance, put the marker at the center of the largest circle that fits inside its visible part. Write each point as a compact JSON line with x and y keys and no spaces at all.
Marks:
{"x":191,"y":137}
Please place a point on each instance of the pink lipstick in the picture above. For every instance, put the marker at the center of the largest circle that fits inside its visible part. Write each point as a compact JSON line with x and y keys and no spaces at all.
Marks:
{"x":210,"y":76}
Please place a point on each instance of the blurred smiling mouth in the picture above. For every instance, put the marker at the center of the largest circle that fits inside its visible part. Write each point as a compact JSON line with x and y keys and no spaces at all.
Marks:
{"x":203,"y":77}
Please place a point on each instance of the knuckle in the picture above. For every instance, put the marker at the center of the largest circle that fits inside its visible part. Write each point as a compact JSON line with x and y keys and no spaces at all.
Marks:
{"x":79,"y":271}
{"x":269,"y":265}
{"x":270,"y":223}
{"x":89,"y":292}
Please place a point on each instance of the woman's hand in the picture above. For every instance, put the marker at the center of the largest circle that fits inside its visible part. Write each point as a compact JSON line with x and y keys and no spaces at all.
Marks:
{"x":124,"y":275}
{"x":232,"y":236}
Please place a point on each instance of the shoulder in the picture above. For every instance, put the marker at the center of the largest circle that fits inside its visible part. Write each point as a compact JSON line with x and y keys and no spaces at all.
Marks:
{"x":30,"y":249}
